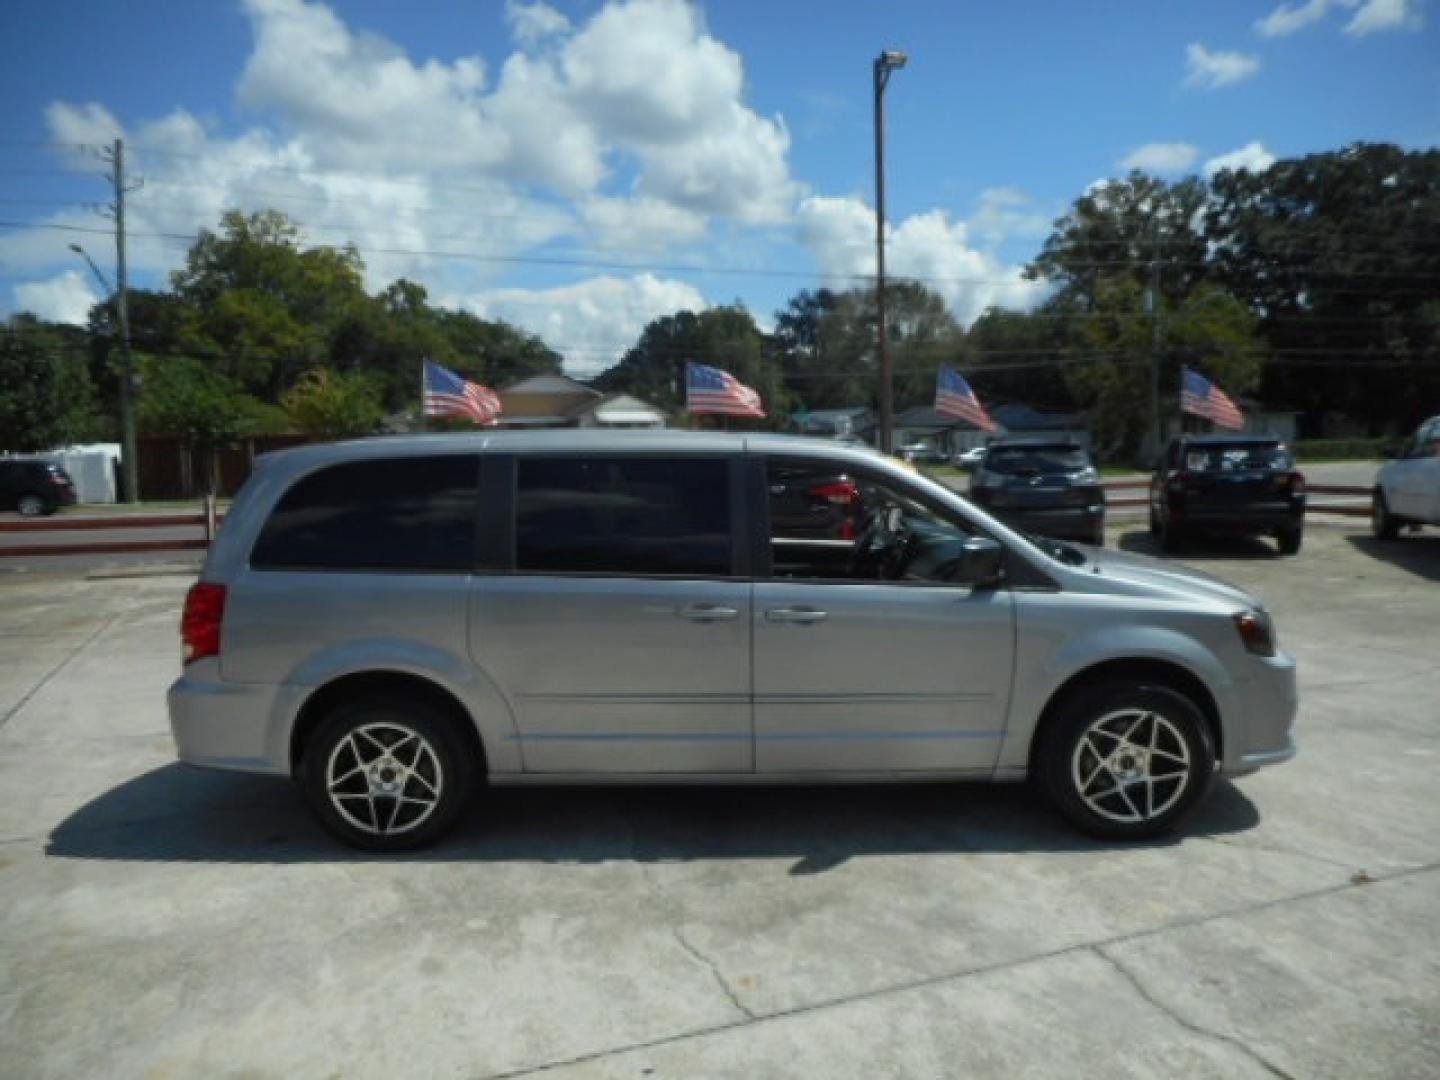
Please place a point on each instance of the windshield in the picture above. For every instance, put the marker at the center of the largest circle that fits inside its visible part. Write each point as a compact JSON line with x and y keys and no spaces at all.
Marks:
{"x":1036,"y":459}
{"x":1221,"y":458}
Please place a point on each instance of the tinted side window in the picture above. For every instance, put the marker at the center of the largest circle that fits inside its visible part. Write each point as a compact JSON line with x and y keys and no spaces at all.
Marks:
{"x":623,"y":515}
{"x":391,"y":514}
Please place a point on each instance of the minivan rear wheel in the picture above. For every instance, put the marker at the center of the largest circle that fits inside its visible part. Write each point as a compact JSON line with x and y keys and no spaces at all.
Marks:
{"x":1127,"y":762}
{"x":387,"y":774}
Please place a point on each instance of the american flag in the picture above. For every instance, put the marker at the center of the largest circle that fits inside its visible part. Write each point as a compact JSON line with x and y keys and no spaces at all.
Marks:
{"x":710,"y":390}
{"x":1200,"y":396}
{"x":953,"y":397}
{"x":447,"y":394}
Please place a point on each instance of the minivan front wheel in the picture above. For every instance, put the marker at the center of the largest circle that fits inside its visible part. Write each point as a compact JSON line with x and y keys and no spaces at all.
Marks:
{"x":386,"y":775}
{"x":1128,"y":762}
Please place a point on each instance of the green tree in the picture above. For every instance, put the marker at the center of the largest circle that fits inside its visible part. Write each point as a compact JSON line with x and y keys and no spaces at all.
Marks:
{"x":1127,"y":227}
{"x":724,"y":337}
{"x":1110,"y":361}
{"x":1340,"y":253}
{"x":335,"y":404}
{"x":47,"y":398}
{"x":185,"y":396}
{"x":826,"y":345}
{"x":265,"y":308}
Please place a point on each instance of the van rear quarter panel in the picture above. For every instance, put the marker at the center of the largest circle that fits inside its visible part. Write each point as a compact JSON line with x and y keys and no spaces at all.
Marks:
{"x":300,"y":630}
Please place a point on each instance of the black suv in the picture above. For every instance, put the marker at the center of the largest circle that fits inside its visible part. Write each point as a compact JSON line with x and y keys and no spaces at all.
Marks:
{"x":1047,"y":486}
{"x":1238,"y":484}
{"x":34,"y":487}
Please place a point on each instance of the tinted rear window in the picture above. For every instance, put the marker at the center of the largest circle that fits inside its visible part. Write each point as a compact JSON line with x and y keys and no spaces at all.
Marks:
{"x":1217,"y":457}
{"x":1023,"y":459}
{"x":391,"y":514}
{"x":623,"y":516}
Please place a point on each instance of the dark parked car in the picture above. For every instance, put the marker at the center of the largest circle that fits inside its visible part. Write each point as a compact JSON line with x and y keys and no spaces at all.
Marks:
{"x":1237,"y":484}
{"x":34,"y":487}
{"x":1045,"y":486}
{"x":815,"y":506}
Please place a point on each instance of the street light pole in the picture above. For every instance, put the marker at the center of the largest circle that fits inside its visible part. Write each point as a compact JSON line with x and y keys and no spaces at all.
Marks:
{"x":129,"y":464}
{"x":888,"y":61}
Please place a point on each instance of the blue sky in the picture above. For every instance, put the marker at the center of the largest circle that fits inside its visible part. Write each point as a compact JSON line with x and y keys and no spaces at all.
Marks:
{"x":581,"y":167}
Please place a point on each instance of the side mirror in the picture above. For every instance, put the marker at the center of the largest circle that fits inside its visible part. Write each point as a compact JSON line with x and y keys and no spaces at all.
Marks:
{"x":980,"y":562}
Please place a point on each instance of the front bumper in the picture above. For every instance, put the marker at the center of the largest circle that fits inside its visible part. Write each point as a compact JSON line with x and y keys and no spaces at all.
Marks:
{"x":220,"y":725}
{"x":1268,"y":701}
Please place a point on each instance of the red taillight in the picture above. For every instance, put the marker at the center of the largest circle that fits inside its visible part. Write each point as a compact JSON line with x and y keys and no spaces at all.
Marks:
{"x":1297,"y":483}
{"x":200,"y":625}
{"x":841,"y":493}
{"x":847,"y":529}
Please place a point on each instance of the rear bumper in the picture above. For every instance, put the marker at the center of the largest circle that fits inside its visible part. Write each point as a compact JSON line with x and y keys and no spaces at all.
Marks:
{"x":220,"y":725}
{"x":1261,"y":517}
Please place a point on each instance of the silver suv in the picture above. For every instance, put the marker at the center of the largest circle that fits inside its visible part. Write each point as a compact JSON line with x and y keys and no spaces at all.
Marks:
{"x":395,"y":621}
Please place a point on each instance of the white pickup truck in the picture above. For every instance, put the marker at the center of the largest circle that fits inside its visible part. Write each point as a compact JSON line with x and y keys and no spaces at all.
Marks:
{"x":1407,"y":490}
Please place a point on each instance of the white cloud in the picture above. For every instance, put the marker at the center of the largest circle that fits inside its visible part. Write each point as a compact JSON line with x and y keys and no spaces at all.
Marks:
{"x":642,"y":82}
{"x":639,"y":224}
{"x":1377,"y":15}
{"x":533,"y":23}
{"x":1370,"y":16}
{"x":65,"y":298}
{"x":1252,"y":156}
{"x":1288,"y":18}
{"x":1211,"y":70}
{"x":1171,"y":157}
{"x":930,"y":247}
{"x":592,"y":322}
{"x":1008,"y":213}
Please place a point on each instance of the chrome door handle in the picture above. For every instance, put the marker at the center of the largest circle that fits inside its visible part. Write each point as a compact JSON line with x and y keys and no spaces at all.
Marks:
{"x":796,"y":615}
{"x":708,"y":612}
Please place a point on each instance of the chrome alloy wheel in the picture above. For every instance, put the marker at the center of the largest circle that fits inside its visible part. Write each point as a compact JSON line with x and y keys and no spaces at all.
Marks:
{"x":384,"y":778}
{"x":1131,"y":765}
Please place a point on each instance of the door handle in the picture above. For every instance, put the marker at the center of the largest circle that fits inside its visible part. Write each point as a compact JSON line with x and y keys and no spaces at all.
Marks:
{"x":796,"y":615}
{"x":708,"y":612}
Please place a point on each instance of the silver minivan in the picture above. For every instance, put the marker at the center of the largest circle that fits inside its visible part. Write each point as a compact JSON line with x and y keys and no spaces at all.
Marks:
{"x":395,"y":621}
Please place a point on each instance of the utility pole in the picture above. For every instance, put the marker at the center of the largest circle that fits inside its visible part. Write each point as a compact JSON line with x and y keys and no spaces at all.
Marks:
{"x":129,"y":462}
{"x":888,"y":61}
{"x":1152,"y":439}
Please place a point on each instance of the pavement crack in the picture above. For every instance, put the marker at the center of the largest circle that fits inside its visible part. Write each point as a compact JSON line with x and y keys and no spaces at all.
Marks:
{"x":1189,"y":1025}
{"x":720,"y":979}
{"x":673,"y":911}
{"x":59,"y":667}
{"x":1279,"y":849}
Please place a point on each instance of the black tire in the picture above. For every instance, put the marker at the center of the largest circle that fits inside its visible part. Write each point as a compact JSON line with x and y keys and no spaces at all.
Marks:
{"x":372,"y":819}
{"x":1171,"y":538}
{"x":1097,"y":538}
{"x":1385,"y":525}
{"x":1062,"y":759}
{"x":32,"y":505}
{"x":1289,"y":540}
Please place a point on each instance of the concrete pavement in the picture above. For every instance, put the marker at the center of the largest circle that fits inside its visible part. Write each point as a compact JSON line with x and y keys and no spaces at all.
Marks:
{"x":156,"y":920}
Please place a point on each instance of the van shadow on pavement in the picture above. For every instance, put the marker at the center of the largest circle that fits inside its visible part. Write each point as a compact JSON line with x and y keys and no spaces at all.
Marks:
{"x":178,"y":814}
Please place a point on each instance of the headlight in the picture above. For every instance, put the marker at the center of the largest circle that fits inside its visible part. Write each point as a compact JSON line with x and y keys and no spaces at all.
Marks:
{"x":1256,"y":631}
{"x":1086,"y":476}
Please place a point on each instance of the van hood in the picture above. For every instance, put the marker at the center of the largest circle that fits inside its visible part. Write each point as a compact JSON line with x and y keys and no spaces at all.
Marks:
{"x":1151,"y":575}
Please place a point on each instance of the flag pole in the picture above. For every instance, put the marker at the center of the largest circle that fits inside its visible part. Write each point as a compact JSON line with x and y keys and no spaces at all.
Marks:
{"x":421,"y":420}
